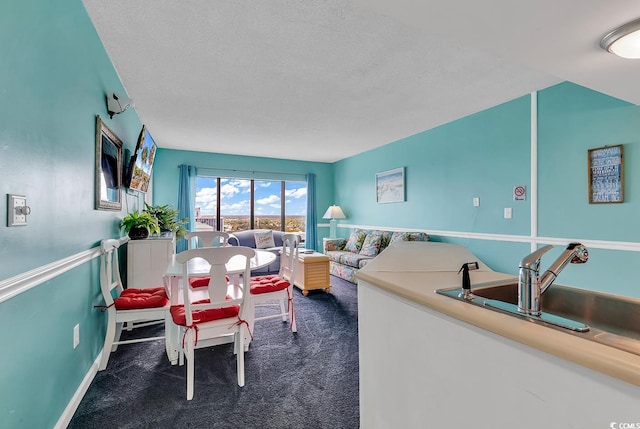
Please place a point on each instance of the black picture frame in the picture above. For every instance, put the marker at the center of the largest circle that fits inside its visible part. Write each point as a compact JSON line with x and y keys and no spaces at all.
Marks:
{"x":606,"y":175}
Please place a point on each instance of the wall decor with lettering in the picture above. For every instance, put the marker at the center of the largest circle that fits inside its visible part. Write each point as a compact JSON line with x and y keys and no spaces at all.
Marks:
{"x":606,"y":175}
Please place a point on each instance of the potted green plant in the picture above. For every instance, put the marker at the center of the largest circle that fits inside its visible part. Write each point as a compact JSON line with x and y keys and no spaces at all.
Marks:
{"x":139,"y":225}
{"x":167,"y":218}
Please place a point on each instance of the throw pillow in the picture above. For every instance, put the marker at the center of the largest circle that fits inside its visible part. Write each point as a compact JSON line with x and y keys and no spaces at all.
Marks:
{"x":355,"y":240}
{"x":264,"y":239}
{"x":371,"y":245}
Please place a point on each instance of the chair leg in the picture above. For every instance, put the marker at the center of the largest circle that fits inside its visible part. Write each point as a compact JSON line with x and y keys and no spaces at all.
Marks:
{"x":116,"y":336}
{"x":292,"y":316}
{"x":249,"y":328}
{"x":240,"y":358}
{"x":108,"y":342}
{"x":190,"y":364}
{"x":293,"y":321}
{"x":181,"y":353}
{"x":283,"y":309}
{"x":170,"y":339}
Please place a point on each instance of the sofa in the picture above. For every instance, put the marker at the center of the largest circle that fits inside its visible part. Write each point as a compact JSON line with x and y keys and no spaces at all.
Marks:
{"x":260,"y":239}
{"x":348,"y":255}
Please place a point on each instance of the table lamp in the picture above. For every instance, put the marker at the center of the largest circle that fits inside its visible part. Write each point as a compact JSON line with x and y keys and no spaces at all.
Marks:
{"x":333,"y":212}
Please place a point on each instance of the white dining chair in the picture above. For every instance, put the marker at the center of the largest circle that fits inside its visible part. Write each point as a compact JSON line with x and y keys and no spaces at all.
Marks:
{"x":135,"y":307}
{"x":200,"y":239}
{"x":201,"y":320}
{"x":277,"y":287}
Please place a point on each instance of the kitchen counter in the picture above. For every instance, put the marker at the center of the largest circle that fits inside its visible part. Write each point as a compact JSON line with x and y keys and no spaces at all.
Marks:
{"x":415,"y":270}
{"x":427,"y":360}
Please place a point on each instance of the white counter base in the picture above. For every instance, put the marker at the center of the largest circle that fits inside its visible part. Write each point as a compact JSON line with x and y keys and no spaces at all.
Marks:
{"x":420,"y":368}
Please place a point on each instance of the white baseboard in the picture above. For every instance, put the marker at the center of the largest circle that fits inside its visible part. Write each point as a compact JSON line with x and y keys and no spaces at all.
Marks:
{"x":72,"y":406}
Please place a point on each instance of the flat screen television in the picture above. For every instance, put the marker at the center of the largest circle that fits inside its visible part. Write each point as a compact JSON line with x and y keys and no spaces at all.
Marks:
{"x":141,"y":163}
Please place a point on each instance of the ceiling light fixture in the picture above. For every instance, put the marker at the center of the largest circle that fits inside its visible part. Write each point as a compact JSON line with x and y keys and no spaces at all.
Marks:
{"x":623,"y":41}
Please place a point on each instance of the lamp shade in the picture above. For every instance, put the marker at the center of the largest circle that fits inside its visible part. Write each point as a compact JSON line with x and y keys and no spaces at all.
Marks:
{"x":334,"y":212}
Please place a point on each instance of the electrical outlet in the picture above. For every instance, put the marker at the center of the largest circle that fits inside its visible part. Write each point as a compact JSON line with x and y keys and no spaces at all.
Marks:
{"x":76,"y":336}
{"x":17,"y":210}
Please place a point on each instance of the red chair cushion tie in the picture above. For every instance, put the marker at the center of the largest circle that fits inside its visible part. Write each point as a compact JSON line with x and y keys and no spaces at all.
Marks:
{"x":132,"y":299}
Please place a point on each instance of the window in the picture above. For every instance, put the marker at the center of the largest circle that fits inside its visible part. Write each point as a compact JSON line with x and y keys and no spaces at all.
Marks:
{"x":267,"y":208}
{"x":229,"y":204}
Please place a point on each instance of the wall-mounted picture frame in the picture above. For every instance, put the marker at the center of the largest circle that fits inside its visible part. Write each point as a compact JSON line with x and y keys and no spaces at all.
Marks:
{"x":108,"y":168}
{"x":390,"y":186}
{"x":606,"y":175}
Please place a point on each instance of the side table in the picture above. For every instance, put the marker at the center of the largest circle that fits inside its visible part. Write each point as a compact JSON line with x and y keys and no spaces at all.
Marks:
{"x":312,"y":272}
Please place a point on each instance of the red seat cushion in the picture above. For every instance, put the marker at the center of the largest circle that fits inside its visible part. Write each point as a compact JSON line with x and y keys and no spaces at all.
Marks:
{"x":201,"y":316}
{"x":132,"y":299}
{"x":265,"y":284}
{"x":197,"y":282}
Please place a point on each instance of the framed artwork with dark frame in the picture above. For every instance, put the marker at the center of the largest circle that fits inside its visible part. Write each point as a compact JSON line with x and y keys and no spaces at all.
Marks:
{"x":108,"y":168}
{"x":390,"y":186}
{"x":606,"y":175}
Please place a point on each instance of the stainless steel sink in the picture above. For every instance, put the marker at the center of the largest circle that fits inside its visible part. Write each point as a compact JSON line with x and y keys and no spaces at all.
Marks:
{"x":603,"y":318}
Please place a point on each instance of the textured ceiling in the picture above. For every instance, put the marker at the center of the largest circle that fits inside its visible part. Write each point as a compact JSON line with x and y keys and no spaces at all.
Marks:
{"x":323,"y":80}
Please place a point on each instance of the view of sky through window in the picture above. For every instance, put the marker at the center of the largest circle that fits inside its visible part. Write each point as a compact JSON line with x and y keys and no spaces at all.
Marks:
{"x":235,"y":197}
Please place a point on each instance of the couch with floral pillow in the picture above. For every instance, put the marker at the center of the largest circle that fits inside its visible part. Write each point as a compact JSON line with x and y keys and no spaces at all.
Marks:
{"x":347,"y":256}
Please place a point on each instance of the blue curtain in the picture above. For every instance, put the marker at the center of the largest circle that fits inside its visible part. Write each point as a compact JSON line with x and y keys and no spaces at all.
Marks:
{"x":186,"y":202}
{"x":311,"y":239}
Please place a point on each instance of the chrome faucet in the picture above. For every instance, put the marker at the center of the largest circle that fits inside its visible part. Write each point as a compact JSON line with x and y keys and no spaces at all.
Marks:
{"x":531,"y":286}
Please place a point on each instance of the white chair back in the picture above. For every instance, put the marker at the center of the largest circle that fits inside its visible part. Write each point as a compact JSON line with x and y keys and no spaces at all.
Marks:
{"x":218,"y":287}
{"x":289,"y":257}
{"x":110,"y":270}
{"x":199,"y":239}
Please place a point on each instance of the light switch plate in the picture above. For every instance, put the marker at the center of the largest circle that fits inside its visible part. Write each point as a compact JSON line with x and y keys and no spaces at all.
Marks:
{"x":16,"y":210}
{"x":76,"y":335}
{"x":507,"y":213}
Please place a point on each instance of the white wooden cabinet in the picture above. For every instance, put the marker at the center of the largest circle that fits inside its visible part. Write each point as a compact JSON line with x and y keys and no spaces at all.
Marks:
{"x":147,"y":261}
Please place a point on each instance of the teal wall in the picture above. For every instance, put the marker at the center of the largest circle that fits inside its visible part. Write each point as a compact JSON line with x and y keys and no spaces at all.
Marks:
{"x":54,"y":77}
{"x":444,"y":169}
{"x":166,"y":172}
{"x":485,"y":155}
{"x":572,"y":120}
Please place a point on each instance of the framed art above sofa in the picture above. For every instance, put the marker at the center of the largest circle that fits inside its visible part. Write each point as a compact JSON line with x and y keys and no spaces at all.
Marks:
{"x":390,"y":186}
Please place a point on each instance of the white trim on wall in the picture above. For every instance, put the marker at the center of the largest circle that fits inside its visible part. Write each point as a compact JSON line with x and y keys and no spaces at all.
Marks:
{"x":595,"y":244}
{"x":15,"y":285}
{"x":533,"y":191}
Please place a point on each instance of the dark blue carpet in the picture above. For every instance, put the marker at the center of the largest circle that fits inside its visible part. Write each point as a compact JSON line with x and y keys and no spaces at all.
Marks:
{"x":304,"y":380}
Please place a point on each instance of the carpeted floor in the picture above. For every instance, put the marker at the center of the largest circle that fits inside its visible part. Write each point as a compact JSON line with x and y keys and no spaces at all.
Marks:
{"x":304,"y":380}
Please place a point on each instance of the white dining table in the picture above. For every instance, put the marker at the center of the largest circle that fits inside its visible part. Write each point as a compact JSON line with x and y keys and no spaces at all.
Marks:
{"x":198,"y":267}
